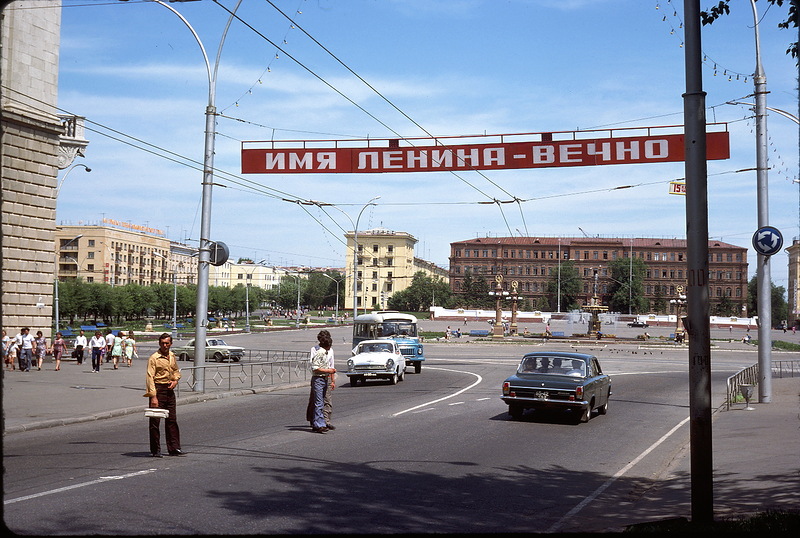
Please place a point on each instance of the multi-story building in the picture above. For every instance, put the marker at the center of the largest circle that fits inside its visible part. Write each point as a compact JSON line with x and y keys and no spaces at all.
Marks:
{"x":532,"y":262}
{"x":793,"y":290}
{"x":385,"y":264}
{"x":255,"y":274}
{"x":119,"y":253}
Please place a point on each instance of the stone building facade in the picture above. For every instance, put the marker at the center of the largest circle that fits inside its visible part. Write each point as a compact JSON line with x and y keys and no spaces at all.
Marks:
{"x":31,"y":141}
{"x":793,"y":290}
{"x":533,"y":261}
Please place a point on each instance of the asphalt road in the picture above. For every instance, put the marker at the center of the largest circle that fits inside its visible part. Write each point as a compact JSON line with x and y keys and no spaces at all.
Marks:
{"x":434,"y":453}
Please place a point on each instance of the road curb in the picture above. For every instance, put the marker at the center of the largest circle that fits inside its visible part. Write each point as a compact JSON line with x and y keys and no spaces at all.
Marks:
{"x":190,"y":399}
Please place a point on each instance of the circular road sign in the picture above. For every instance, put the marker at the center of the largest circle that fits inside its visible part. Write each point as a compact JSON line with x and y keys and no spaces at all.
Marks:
{"x":767,"y":240}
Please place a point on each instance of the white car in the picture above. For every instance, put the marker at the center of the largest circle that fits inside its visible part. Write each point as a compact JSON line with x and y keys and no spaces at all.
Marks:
{"x":376,"y":359}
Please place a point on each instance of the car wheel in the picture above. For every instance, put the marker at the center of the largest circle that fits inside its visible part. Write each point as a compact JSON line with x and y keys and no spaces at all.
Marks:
{"x":585,"y":413}
{"x":515,"y":411}
{"x":183,"y":357}
{"x":603,"y":409}
{"x":353,"y":381}
{"x":393,"y":379}
{"x":235,"y":359}
{"x":402,"y":375}
{"x":218,"y":357}
{"x":417,"y":367}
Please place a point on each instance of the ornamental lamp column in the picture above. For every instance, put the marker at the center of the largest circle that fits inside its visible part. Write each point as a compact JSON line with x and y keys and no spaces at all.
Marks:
{"x":498,"y":294}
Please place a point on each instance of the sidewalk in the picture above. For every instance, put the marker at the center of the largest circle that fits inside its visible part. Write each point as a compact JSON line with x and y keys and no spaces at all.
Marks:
{"x":47,"y":398}
{"x":756,"y":453}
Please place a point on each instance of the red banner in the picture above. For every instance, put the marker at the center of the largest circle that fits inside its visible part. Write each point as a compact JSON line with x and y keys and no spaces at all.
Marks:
{"x":486,"y":156}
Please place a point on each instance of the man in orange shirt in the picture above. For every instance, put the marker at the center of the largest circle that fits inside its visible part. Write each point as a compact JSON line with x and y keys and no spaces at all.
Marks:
{"x":162,"y":378}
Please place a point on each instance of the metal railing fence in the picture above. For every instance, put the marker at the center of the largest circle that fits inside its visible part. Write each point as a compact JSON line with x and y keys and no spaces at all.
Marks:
{"x":259,"y":368}
{"x":749,"y":376}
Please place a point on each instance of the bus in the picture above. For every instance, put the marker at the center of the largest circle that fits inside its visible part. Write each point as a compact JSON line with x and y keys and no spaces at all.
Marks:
{"x":402,"y":328}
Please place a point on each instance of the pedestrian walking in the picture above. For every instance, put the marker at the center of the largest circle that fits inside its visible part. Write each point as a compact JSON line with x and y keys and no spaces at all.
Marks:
{"x":81,"y":343}
{"x":321,"y":370}
{"x":97,"y":345}
{"x":110,"y":338}
{"x":8,"y":345}
{"x":162,"y":378}
{"x":58,"y":348}
{"x":327,"y":404}
{"x":129,"y":348}
{"x":25,"y":349}
{"x":116,"y":350}
{"x":40,"y":349}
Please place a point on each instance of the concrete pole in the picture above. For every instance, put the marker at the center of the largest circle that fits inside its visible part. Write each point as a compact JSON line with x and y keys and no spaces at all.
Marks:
{"x":763,"y":277}
{"x":204,"y":254}
{"x":701,"y":455}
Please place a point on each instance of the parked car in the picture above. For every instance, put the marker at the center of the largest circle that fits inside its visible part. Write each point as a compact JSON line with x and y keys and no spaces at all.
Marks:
{"x":637,"y":323}
{"x":216,"y":349}
{"x":558,"y":381}
{"x":376,"y":359}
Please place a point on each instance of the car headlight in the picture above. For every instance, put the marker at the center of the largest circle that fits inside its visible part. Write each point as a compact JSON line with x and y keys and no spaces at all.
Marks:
{"x":350,"y":364}
{"x":390,"y":364}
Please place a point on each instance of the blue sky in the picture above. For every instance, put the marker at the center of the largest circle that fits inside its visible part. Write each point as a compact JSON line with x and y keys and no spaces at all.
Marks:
{"x":455,"y":67}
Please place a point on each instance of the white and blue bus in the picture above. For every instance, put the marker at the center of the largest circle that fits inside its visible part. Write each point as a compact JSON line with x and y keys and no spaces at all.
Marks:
{"x":398,"y":326}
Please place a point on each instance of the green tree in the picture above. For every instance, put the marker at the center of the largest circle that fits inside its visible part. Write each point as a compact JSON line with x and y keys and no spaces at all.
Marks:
{"x":627,"y":285}
{"x":569,"y":284}
{"x":659,"y":302}
{"x":779,"y":309}
{"x":474,"y":292}
{"x":419,"y":296}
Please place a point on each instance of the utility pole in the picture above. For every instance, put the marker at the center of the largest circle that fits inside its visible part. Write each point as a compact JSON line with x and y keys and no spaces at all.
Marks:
{"x":698,"y":326}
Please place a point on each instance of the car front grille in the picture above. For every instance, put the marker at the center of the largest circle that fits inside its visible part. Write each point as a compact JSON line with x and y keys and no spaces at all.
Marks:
{"x":369,"y":367}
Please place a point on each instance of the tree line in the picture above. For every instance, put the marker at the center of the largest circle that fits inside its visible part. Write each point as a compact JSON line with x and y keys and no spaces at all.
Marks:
{"x":81,"y":301}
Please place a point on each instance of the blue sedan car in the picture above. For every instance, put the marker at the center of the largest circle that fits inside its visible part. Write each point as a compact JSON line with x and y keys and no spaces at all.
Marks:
{"x":558,"y":380}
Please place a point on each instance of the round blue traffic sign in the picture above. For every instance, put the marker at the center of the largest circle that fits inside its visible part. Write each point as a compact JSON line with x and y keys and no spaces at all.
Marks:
{"x":767,"y":240}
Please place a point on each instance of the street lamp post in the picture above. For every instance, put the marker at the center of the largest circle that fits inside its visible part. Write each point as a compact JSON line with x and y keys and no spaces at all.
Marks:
{"x":763,"y":277}
{"x":64,"y":178}
{"x":499,"y":294}
{"x":678,"y":303}
{"x":355,"y":257}
{"x":174,"y":298}
{"x":337,"y":293}
{"x":204,"y":253}
{"x":57,"y":315}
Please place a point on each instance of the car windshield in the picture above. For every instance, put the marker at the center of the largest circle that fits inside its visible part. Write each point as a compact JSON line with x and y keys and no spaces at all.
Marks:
{"x":376,"y":348}
{"x":553,"y":365}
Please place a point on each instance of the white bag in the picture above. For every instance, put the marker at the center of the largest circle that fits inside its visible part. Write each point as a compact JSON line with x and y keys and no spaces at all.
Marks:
{"x":156,"y":412}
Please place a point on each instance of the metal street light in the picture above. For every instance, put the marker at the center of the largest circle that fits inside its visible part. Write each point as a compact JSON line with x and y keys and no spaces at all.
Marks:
{"x":355,"y":245}
{"x":499,"y":294}
{"x":337,"y":292}
{"x":174,"y":298}
{"x":204,"y":257}
{"x":70,"y":169}
{"x":57,"y":319}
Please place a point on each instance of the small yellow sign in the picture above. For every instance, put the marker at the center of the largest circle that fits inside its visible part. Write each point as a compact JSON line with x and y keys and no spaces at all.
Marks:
{"x":677,"y":187}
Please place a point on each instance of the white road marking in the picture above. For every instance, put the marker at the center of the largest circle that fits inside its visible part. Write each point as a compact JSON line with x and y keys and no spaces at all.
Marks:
{"x":581,"y":505}
{"x":82,"y":484}
{"x":446,"y":397}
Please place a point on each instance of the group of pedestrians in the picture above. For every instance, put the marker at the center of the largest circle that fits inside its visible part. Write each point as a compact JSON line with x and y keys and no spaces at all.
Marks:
{"x":27,"y":351}
{"x":117,"y":349}
{"x":163,"y":375}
